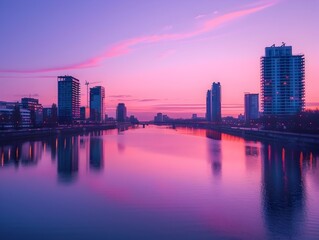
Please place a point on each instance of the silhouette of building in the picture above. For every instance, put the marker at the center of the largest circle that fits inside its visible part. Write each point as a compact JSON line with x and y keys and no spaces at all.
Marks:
{"x":216,"y":103}
{"x":36,"y":110}
{"x":68,"y":99}
{"x":209,"y":106}
{"x":84,"y":113}
{"x":121,"y":113}
{"x":97,"y":96}
{"x":213,"y":104}
{"x":251,"y":106}
{"x":282,"y":81}
{"x":158,"y":118}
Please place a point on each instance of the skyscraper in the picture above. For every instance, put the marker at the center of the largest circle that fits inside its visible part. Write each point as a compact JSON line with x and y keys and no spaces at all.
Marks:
{"x":97,"y":96}
{"x":213,"y":104}
{"x":216,"y":103}
{"x":68,"y":99}
{"x":209,"y":106}
{"x":282,"y":81}
{"x":121,"y":112}
{"x":251,"y":106}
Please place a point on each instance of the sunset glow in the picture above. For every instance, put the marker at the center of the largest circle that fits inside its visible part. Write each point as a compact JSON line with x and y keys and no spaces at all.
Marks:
{"x":155,"y":57}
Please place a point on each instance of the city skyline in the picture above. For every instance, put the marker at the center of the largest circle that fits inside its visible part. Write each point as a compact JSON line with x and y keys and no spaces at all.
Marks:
{"x":161,"y":61}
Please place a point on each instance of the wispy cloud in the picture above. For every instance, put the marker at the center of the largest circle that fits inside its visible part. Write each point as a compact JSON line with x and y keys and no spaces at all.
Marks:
{"x":200,"y":16}
{"x":126,"y":46}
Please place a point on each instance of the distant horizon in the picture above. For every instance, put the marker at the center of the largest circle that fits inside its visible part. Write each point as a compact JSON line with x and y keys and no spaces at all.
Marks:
{"x":154,"y":57}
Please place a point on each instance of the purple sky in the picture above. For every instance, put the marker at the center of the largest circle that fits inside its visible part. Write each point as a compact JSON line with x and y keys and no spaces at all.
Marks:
{"x":156,"y":56}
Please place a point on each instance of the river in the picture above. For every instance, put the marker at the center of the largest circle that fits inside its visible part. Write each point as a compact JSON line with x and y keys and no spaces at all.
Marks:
{"x":158,"y":183}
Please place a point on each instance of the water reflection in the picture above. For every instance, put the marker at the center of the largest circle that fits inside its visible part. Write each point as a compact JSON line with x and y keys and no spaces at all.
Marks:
{"x":252,"y":154}
{"x":283,"y":191}
{"x":68,"y":158}
{"x":25,"y":154}
{"x":96,"y":152}
{"x":214,"y":152}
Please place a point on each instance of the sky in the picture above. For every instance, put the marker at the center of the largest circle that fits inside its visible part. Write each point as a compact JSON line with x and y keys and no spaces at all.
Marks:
{"x":155,"y":56}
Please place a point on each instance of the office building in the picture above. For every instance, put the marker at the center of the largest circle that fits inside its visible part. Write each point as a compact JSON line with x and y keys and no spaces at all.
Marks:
{"x":13,"y":115}
{"x":209,"y":106}
{"x":216,"y":103}
{"x":36,"y":110}
{"x":97,"y":96}
{"x":121,"y":114}
{"x":213,"y":104}
{"x":68,"y":99}
{"x":84,"y":113}
{"x":282,"y":81}
{"x":251,"y":106}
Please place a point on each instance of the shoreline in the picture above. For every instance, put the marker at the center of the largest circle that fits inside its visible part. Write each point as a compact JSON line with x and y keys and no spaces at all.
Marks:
{"x":255,"y":134}
{"x":28,"y":134}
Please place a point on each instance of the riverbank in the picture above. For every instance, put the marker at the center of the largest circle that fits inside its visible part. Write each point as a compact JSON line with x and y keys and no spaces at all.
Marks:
{"x":255,"y":134}
{"x":26,"y":134}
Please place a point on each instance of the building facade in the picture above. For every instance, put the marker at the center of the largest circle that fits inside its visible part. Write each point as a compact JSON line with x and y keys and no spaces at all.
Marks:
{"x":213,"y":104}
{"x":97,"y":97}
{"x":68,"y":99}
{"x":216,"y":103}
{"x":251,"y":106}
{"x":282,"y":81}
{"x":209,"y":105}
{"x":12,"y":115}
{"x":121,"y":113}
{"x":35,"y":108}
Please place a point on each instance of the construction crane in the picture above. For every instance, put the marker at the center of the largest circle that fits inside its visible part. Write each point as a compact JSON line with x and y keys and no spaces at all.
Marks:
{"x":87,"y":91}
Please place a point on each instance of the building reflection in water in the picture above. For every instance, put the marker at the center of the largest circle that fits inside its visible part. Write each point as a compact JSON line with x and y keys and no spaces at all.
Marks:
{"x":252,"y":157}
{"x":214,"y":152}
{"x":68,"y":158}
{"x":96,"y":151}
{"x":25,"y":154}
{"x":283,"y":191}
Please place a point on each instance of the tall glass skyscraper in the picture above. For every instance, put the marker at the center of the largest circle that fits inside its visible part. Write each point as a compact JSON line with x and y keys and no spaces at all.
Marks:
{"x":282,"y":81}
{"x":97,"y":96}
{"x":68,"y":99}
{"x":213,"y":104}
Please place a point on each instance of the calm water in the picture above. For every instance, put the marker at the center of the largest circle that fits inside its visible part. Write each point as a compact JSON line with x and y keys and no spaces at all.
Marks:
{"x":158,"y":183}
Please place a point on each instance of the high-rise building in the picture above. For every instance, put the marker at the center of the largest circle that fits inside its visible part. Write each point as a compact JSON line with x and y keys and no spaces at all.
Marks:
{"x":121,"y":112}
{"x":251,"y":106}
{"x":68,"y":99}
{"x":213,"y":104}
{"x":209,"y":106}
{"x":282,"y":81}
{"x":216,"y":103}
{"x":97,"y":96}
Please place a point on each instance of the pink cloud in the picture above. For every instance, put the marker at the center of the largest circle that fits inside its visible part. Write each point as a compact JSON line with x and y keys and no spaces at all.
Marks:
{"x":126,"y":46}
